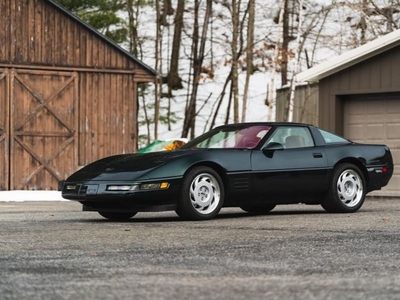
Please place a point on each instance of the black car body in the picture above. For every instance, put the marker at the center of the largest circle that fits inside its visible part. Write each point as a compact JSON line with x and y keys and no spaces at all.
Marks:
{"x":254,"y":166}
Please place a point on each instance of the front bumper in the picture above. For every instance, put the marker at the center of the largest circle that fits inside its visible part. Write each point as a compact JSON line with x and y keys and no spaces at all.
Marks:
{"x":95,"y":197}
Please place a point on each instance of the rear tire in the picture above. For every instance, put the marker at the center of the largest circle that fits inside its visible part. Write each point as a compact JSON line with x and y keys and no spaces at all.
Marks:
{"x":202,"y":194}
{"x":117,"y":216}
{"x":346,"y":193}
{"x":258,"y":209}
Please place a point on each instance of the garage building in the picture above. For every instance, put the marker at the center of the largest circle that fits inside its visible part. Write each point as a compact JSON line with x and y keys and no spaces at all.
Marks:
{"x":359,"y":97}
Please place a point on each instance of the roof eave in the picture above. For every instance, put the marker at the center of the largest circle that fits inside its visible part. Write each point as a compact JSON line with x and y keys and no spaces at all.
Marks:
{"x":102,"y":36}
{"x":350,"y":58}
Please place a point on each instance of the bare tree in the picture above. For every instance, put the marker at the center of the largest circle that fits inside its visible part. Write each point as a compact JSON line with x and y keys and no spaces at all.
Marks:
{"x":286,"y":38}
{"x":174,"y":80}
{"x":249,"y":55}
{"x":270,"y":101}
{"x":198,"y":53}
{"x":166,"y":10}
{"x":290,"y":103}
{"x":158,"y":67}
{"x":355,"y":22}
{"x":220,"y":98}
{"x":389,"y":12}
{"x":235,"y":9}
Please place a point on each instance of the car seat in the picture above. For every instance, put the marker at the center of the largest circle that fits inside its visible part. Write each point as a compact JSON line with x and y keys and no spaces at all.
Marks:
{"x":248,"y":142}
{"x":294,"y":141}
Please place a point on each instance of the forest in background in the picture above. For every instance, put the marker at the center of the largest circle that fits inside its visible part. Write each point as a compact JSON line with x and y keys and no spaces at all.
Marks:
{"x":221,"y":61}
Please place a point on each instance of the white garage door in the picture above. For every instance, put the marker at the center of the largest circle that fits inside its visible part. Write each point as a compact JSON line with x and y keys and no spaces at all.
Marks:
{"x":376,"y":121}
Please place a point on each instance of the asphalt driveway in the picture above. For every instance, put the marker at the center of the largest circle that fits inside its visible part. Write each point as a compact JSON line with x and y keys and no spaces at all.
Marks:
{"x":52,"y":250}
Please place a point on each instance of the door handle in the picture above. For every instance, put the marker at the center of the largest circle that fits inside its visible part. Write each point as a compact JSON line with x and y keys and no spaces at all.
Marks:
{"x":317,"y":155}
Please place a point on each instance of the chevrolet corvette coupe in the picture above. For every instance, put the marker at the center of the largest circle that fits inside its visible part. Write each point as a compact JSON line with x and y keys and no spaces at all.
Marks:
{"x":254,"y":166}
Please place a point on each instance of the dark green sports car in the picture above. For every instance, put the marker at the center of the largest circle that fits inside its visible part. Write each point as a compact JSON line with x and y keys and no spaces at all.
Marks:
{"x":255,"y":166}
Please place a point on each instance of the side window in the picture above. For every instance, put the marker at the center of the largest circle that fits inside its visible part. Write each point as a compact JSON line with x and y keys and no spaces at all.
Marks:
{"x":331,"y":138}
{"x":292,"y":137}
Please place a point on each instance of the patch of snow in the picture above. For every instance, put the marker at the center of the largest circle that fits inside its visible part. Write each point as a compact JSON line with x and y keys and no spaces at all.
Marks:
{"x":22,"y":196}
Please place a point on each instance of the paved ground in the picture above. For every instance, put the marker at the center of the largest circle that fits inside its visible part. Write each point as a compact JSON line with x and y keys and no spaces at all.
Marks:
{"x":52,"y":250}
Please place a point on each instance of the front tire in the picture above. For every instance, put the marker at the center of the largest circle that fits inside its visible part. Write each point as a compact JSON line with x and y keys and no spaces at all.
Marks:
{"x":202,"y":194}
{"x":346,"y":193}
{"x":117,"y":216}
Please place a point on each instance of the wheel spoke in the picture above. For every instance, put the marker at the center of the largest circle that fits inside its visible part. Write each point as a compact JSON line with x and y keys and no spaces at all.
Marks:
{"x":204,"y":193}
{"x":346,"y":192}
{"x":350,"y":188}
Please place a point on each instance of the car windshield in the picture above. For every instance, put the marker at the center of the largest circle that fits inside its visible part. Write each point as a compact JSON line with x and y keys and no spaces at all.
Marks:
{"x":230,"y":137}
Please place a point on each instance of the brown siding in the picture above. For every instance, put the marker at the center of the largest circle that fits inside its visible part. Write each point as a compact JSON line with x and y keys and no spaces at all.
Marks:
{"x":105,"y":114}
{"x":4,"y":129}
{"x":305,"y":105}
{"x":45,"y":50}
{"x":36,"y":32}
{"x":43,"y":122}
{"x":379,"y":74}
{"x":108,"y":115}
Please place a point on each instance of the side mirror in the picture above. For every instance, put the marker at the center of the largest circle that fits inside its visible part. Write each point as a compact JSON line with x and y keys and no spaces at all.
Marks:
{"x":271,"y":148}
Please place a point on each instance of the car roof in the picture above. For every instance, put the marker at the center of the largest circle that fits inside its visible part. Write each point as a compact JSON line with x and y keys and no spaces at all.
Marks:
{"x":265,"y":124}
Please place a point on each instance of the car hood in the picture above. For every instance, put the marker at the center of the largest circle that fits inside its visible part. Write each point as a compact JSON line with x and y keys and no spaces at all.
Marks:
{"x":125,"y":167}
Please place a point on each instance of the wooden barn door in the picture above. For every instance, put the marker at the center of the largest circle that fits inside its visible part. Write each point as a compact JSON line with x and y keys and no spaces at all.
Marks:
{"x":44,"y":122}
{"x":4,"y":130}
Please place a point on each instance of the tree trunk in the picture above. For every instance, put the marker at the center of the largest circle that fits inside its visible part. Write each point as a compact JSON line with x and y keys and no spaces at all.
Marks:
{"x":234,"y":49}
{"x":174,"y":80}
{"x":249,"y":55}
{"x":198,"y":57}
{"x":158,"y":67}
{"x":285,"y":44}
{"x":166,"y":10}
{"x":296,"y":62}
{"x":270,"y":101}
{"x":132,"y":26}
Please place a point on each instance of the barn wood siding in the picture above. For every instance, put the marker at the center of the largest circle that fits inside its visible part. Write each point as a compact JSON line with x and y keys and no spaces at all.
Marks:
{"x":380,"y":74}
{"x":42,"y":46}
{"x":43,"y":122}
{"x":108,"y":115}
{"x":4,"y":130}
{"x":105,"y":111}
{"x":38,"y":33}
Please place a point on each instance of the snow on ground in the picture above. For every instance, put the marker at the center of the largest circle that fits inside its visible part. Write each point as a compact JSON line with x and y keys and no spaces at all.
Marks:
{"x":22,"y":196}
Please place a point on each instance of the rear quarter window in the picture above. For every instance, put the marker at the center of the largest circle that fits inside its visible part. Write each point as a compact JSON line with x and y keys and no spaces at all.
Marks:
{"x":331,"y":138}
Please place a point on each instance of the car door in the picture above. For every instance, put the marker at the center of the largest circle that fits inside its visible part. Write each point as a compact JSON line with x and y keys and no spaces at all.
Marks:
{"x":289,"y":167}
